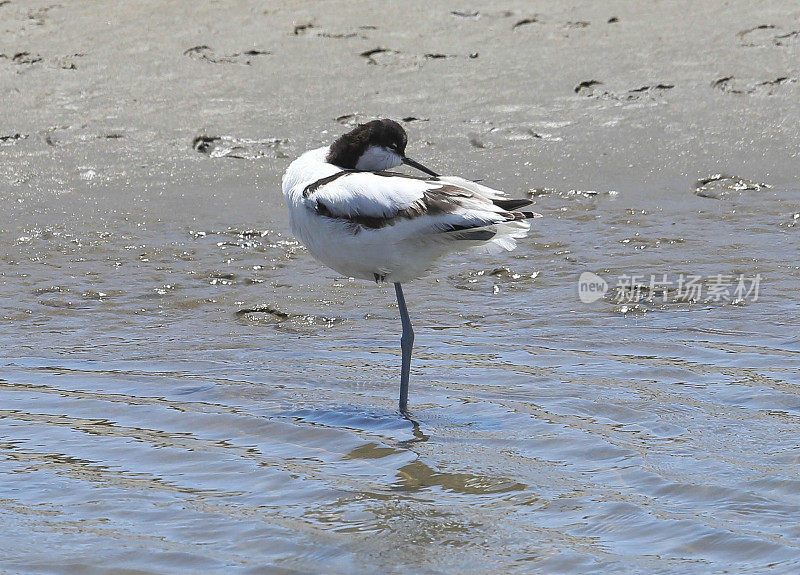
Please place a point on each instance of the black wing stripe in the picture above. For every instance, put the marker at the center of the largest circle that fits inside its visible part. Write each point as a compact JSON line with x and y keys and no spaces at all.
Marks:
{"x":511,"y":205}
{"x":314,"y":186}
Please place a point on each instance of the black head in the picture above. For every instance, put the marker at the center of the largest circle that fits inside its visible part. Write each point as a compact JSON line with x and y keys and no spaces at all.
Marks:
{"x":348,"y":149}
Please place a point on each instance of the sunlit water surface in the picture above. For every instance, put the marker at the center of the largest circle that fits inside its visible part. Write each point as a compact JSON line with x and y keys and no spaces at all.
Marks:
{"x":181,"y":394}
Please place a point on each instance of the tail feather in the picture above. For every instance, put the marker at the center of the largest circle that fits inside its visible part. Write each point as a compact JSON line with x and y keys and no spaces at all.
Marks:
{"x":491,"y":239}
{"x":526,"y":215}
{"x":505,"y":238}
{"x":511,"y":205}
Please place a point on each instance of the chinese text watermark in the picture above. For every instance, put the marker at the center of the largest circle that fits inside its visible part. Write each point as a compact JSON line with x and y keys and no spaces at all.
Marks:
{"x":689,"y":288}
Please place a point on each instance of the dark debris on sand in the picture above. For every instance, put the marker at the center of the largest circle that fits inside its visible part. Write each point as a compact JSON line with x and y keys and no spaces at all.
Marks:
{"x":586,"y":88}
{"x":23,"y":58}
{"x":12,"y":139}
{"x":730,"y":85}
{"x":207,"y":54}
{"x":719,"y":185}
{"x":239,"y":148}
{"x":302,"y":28}
{"x":589,"y":89}
{"x":525,"y":22}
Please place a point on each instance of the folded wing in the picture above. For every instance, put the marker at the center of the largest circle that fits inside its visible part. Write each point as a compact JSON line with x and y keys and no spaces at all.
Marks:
{"x":366,"y":201}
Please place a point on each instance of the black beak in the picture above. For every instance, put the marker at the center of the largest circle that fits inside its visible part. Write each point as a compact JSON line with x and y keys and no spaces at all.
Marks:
{"x":419,"y":166}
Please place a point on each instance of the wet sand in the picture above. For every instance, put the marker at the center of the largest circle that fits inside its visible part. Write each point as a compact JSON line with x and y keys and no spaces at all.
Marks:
{"x":184,"y":388}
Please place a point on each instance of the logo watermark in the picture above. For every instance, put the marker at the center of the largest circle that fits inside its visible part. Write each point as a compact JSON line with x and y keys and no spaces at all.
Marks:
{"x":591,"y":287}
{"x":687,"y":288}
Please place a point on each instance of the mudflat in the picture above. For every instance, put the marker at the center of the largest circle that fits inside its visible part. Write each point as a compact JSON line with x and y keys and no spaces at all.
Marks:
{"x":184,"y":388}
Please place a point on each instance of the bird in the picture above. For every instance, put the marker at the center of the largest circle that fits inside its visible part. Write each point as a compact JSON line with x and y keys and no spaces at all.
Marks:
{"x":363,"y":220}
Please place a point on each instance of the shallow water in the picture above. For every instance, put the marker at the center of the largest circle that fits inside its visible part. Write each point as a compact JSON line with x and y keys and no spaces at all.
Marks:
{"x":183,"y":389}
{"x":140,"y":411}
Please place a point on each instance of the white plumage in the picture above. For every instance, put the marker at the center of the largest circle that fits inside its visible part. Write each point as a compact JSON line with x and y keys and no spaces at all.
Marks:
{"x":404,"y":248}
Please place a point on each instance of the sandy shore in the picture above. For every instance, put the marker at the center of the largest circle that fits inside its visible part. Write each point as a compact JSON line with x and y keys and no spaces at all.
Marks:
{"x":102,"y":100}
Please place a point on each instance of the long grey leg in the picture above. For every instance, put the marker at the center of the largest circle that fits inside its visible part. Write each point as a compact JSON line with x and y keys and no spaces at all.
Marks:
{"x":406,"y":345}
